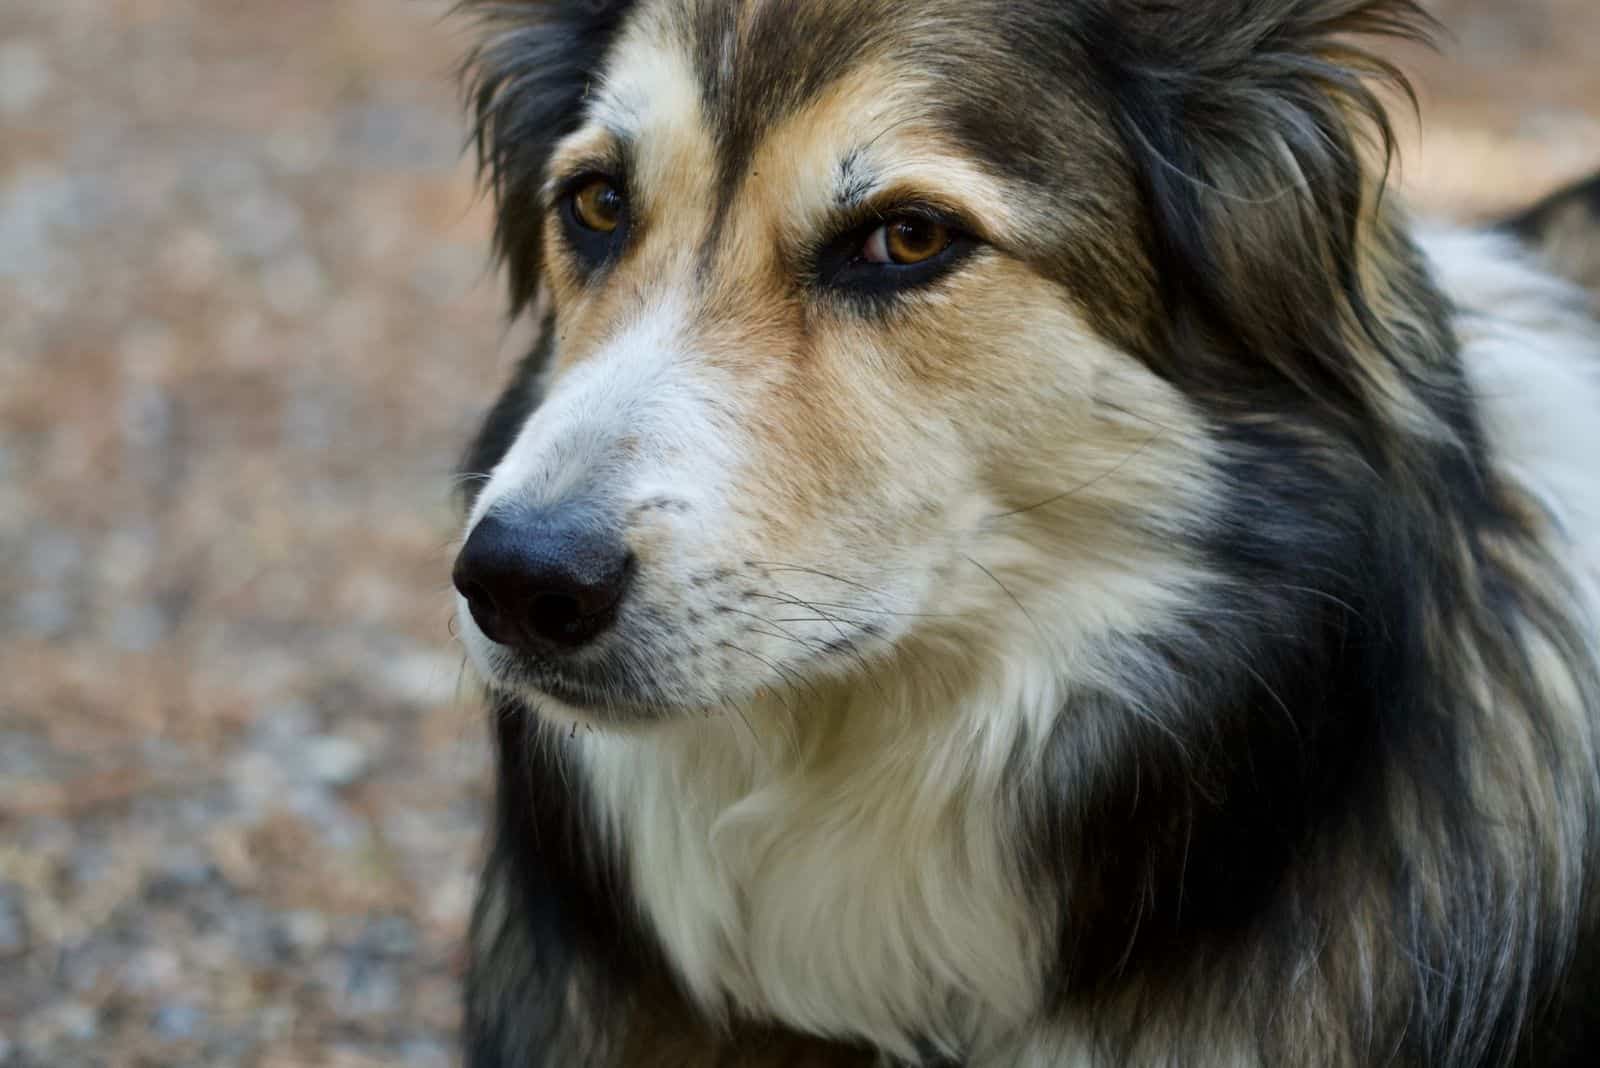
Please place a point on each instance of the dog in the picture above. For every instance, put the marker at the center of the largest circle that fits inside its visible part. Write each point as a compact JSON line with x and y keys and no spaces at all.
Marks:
{"x":1013,"y":549}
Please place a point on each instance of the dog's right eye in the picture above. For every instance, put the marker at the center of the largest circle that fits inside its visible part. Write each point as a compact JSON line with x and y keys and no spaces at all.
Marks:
{"x":595,"y":211}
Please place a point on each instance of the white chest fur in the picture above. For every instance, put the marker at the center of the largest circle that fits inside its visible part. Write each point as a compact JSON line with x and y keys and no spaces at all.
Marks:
{"x":871,"y":895}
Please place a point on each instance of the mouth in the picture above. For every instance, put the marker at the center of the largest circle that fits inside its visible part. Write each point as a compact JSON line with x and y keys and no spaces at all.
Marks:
{"x":596,"y":691}
{"x":722,"y":649}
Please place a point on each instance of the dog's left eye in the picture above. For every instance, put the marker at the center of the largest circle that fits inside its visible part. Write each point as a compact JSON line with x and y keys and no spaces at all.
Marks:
{"x":906,"y":241}
{"x":902,"y":251}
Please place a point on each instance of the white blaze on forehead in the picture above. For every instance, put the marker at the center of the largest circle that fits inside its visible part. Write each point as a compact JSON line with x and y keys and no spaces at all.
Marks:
{"x":649,"y":96}
{"x":649,"y":83}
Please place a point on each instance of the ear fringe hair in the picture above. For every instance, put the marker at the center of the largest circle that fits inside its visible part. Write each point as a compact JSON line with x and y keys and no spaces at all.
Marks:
{"x":524,"y":86}
{"x":1246,"y":121}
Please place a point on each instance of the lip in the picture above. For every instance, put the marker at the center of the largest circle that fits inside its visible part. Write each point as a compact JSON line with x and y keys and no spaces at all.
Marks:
{"x":541,"y":683}
{"x":567,"y":691}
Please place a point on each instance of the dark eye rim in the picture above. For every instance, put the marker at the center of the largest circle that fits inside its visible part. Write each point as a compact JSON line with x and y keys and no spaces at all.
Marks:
{"x":593,"y":248}
{"x":839,"y":265}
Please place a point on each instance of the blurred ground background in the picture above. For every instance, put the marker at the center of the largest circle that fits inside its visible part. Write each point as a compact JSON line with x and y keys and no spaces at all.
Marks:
{"x":246,"y":323}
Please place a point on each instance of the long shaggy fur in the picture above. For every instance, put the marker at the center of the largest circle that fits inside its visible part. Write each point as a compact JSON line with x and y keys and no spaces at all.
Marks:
{"x":1269,"y":739}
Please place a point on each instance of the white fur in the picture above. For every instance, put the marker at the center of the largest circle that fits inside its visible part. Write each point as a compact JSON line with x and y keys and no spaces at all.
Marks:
{"x":1533,"y":356}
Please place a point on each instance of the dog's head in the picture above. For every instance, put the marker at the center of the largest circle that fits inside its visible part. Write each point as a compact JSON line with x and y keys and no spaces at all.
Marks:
{"x":888,"y":329}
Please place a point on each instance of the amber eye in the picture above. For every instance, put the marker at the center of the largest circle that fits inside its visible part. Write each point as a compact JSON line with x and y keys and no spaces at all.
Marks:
{"x":906,"y":240}
{"x":597,"y":205}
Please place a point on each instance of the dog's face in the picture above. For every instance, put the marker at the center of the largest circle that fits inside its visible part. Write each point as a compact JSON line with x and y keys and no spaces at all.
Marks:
{"x":855,"y":355}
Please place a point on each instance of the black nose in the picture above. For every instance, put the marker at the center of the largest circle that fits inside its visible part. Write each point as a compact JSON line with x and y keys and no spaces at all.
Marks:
{"x":543,"y":582}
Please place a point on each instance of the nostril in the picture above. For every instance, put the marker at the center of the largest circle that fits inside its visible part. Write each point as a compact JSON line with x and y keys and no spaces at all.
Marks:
{"x":556,"y":617}
{"x":475,"y":593}
{"x":480,"y":602}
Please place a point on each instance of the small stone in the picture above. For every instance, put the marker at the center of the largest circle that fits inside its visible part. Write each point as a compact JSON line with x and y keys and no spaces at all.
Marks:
{"x":259,"y":224}
{"x":47,"y":613}
{"x":54,"y":555}
{"x":185,"y":871}
{"x":389,"y":936}
{"x":25,"y":77}
{"x":77,"y":1021}
{"x":152,"y":970}
{"x":192,"y":262}
{"x":178,"y":1021}
{"x":13,"y":924}
{"x":147,"y":414}
{"x":275,"y":1023}
{"x":336,"y":761}
{"x":257,"y":784}
{"x":21,"y":757}
{"x":34,"y":207}
{"x":304,"y":930}
{"x":92,"y":862}
{"x":371,"y":988}
{"x":137,"y":628}
{"x":148,"y":349}
{"x":302,"y":147}
{"x":294,"y":284}
{"x":281,"y":727}
{"x":425,"y":1053}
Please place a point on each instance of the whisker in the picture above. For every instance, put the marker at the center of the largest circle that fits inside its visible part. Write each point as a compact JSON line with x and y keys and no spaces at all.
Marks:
{"x":845,"y":644}
{"x":1131,"y":414}
{"x":846,"y":641}
{"x":772,"y":566}
{"x":748,"y":726}
{"x":772,"y":666}
{"x":1124,"y":462}
{"x":833,"y":618}
{"x":1007,"y":591}
{"x":884,"y":611}
{"x":1322,"y":594}
{"x":810,"y":643}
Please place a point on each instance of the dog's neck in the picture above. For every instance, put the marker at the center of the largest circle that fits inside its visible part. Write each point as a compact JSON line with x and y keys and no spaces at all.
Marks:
{"x":818,"y":861}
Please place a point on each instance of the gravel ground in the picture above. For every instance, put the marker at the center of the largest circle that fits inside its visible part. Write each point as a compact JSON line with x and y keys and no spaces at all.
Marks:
{"x":246,"y":321}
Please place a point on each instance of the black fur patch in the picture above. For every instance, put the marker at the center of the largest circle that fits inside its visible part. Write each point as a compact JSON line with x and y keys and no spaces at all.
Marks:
{"x":546,"y":927}
{"x":527,"y":86}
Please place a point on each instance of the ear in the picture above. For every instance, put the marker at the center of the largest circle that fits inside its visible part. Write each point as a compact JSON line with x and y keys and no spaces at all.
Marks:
{"x":525,"y":85}
{"x":1262,"y":148}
